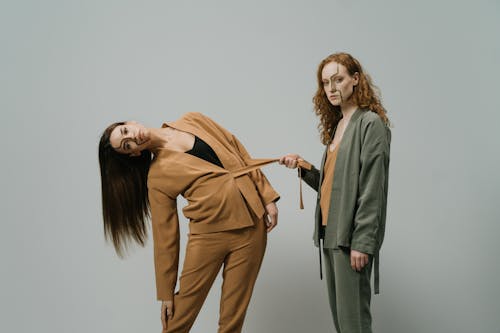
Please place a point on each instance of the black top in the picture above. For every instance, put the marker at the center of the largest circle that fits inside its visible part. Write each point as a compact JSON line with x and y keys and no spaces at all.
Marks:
{"x":202,"y":150}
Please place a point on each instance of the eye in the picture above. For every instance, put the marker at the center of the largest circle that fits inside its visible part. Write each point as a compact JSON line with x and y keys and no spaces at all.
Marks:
{"x":127,"y":146}
{"x":325,"y":83}
{"x":339,"y":80}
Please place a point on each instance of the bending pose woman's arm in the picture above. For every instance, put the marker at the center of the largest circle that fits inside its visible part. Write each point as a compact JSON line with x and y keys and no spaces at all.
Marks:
{"x":165,"y":228}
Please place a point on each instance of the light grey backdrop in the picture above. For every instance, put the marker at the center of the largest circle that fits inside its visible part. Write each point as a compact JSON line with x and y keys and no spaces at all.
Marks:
{"x":68,"y":68}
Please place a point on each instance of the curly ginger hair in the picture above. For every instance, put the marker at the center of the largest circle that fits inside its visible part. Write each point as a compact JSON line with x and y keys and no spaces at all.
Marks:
{"x":365,"y":95}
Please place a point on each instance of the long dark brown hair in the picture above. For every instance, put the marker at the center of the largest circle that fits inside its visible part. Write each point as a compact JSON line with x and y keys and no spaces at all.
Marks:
{"x":365,"y":95}
{"x":125,"y":205}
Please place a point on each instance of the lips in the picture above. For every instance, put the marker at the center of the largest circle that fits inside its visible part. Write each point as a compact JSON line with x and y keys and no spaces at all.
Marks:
{"x":141,"y":137}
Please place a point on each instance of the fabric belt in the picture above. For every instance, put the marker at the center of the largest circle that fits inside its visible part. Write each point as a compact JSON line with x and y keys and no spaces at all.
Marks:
{"x":307,"y":166}
{"x":255,"y":164}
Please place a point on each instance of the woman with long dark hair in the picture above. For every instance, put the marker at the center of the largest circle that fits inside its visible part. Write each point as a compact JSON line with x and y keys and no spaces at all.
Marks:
{"x":351,"y":185}
{"x":230,"y":206}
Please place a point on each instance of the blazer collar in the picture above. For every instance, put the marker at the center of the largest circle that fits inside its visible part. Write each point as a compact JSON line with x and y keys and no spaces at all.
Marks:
{"x":187,"y":126}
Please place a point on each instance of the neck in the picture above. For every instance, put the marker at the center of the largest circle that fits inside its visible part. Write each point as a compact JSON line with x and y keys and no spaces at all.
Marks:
{"x":158,"y":138}
{"x":347,"y":110}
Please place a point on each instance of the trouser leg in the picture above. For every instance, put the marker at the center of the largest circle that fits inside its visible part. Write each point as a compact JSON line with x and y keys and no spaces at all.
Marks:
{"x":330,"y":284}
{"x":241,"y":267}
{"x":351,"y":293}
{"x":204,"y":257}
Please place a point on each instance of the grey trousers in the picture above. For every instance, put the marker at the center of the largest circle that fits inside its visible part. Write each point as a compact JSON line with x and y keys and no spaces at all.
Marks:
{"x":349,"y":292}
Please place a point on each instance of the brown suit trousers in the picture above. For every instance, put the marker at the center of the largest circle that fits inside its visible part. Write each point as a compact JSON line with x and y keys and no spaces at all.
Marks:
{"x":240,"y":253}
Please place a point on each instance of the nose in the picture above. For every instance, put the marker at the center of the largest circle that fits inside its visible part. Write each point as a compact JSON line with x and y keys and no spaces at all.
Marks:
{"x":332,"y":86}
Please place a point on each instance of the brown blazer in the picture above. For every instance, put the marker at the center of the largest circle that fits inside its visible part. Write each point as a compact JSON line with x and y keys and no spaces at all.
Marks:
{"x":217,"y":200}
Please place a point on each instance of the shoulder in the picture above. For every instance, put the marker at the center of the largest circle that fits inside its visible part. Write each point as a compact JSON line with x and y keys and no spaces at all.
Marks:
{"x":368,"y":116}
{"x":194,"y":115}
{"x":198,"y":118}
{"x":370,"y":120}
{"x":373,"y":128}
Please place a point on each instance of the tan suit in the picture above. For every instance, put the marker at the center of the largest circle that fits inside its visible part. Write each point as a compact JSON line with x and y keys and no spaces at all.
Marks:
{"x":223,"y":211}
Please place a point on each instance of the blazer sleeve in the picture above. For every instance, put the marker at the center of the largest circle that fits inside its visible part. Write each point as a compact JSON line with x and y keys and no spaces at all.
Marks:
{"x":165,"y":225}
{"x":372,"y":197}
{"x":311,"y":177}
{"x":266,"y":191}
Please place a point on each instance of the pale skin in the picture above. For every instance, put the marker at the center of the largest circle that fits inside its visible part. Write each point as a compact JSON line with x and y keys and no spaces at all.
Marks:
{"x":133,"y":137}
{"x":338,"y":86}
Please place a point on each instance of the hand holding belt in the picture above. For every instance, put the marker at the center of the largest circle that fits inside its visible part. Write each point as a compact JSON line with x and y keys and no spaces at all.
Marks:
{"x":255,"y":164}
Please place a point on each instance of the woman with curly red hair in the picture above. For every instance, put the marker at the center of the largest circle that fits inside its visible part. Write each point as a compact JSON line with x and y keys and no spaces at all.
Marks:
{"x":351,"y":185}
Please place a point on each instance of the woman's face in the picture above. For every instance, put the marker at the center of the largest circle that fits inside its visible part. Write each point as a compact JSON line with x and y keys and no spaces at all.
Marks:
{"x":337,"y":83}
{"x":130,"y":138}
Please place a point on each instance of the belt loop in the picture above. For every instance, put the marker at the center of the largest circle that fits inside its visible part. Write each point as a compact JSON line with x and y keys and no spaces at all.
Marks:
{"x":320,"y":261}
{"x":376,"y":278}
{"x":301,"y":202}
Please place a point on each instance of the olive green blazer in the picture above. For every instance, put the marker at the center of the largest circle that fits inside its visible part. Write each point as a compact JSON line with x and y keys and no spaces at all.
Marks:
{"x":356,"y":218}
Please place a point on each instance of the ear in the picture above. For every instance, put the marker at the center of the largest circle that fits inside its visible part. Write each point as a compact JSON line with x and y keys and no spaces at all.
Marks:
{"x":356,"y":78}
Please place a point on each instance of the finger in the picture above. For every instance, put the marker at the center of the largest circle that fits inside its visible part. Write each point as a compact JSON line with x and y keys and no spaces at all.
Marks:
{"x":359,"y":263}
{"x":170,"y":311}
{"x":164,"y":319}
{"x":353,"y":262}
{"x":267,"y":220}
{"x":274,"y":221}
{"x":273,"y":224}
{"x":270,"y":224}
{"x":365,"y":261}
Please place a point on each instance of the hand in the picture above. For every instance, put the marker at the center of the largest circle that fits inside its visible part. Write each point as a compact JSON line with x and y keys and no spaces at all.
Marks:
{"x":271,"y":217}
{"x":290,"y":160}
{"x":167,"y":312}
{"x":358,"y":260}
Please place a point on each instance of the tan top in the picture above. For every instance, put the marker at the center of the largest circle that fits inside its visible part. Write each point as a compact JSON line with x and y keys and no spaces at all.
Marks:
{"x":326,"y":185}
{"x":218,"y":198}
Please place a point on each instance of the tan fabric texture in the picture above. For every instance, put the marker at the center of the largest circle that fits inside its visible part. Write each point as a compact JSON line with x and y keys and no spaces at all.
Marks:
{"x":240,"y":253}
{"x":217,"y":200}
{"x":326,"y":186}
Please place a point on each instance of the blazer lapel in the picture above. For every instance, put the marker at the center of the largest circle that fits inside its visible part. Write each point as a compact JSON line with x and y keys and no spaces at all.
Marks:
{"x":196,"y":130}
